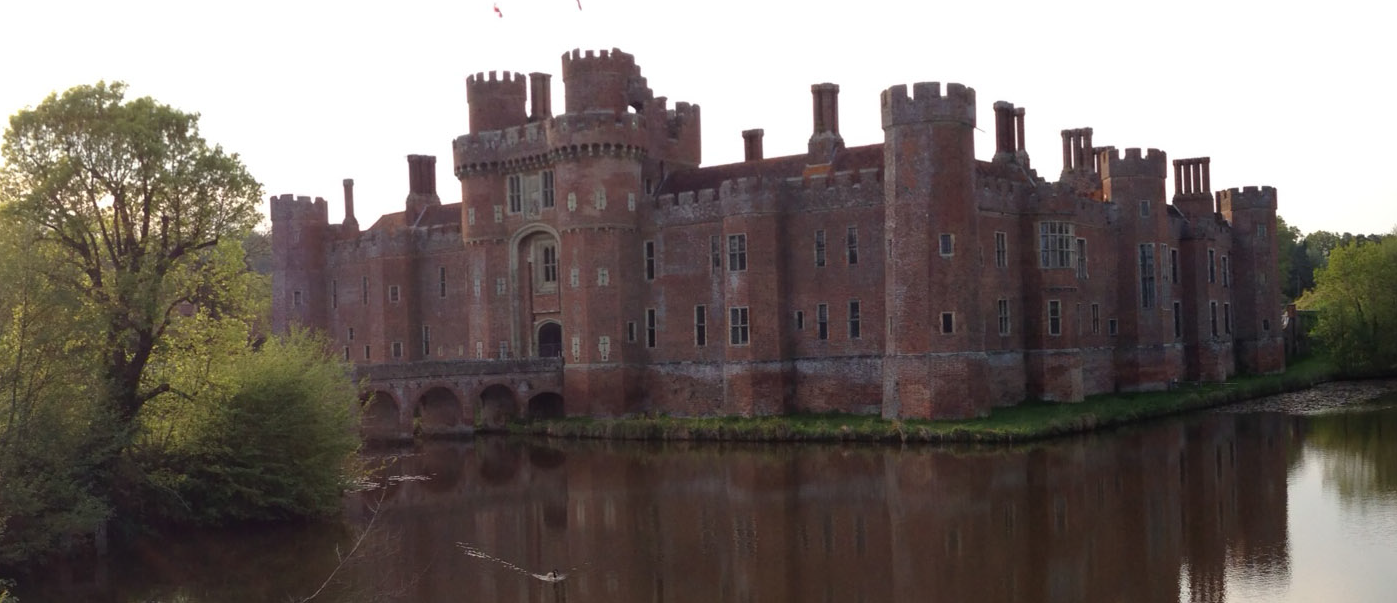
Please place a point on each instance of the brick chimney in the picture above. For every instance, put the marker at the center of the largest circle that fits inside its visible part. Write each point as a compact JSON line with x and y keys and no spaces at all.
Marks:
{"x":752,"y":144}
{"x":422,"y":186}
{"x":350,"y":223}
{"x":540,"y":97}
{"x":825,"y":139}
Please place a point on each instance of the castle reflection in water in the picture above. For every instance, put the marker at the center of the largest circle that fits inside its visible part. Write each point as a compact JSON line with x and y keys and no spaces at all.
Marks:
{"x":1156,"y":513}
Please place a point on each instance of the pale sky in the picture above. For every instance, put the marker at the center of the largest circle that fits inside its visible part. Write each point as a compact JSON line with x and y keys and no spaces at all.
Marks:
{"x":1288,"y":94}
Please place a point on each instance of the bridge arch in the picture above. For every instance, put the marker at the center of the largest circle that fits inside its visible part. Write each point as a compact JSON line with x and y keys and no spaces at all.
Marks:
{"x":439,"y":411}
{"x":498,"y":406}
{"x":546,"y":405}
{"x":379,"y":415}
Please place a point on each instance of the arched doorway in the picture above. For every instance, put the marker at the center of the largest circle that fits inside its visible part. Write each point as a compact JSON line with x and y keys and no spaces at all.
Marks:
{"x":547,"y":405}
{"x":378,"y":417}
{"x":497,"y":407}
{"x":550,"y":340}
{"x":439,"y":412}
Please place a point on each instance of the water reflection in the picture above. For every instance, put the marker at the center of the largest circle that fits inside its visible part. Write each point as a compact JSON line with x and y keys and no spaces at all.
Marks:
{"x":1188,"y":509}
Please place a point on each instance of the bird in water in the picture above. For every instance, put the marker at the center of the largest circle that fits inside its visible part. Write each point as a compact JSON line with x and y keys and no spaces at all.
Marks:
{"x":552,"y":576}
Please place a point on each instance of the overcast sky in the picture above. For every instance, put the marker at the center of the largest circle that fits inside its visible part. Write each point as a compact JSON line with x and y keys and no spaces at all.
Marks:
{"x":1292,"y":95}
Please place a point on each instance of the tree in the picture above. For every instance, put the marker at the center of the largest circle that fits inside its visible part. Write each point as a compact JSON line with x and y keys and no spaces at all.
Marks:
{"x":1358,"y":311}
{"x":133,"y":200}
{"x":1289,"y":258}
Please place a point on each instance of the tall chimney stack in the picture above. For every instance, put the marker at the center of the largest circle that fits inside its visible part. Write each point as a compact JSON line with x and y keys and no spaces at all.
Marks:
{"x":752,"y":144}
{"x":825,"y":140}
{"x":540,"y":97}
{"x":349,"y":221}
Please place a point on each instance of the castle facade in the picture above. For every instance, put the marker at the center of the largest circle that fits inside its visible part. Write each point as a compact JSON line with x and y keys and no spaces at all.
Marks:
{"x":906,"y":278}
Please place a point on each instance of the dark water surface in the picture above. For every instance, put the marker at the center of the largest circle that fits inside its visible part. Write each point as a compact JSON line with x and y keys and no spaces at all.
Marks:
{"x":1220,"y":506}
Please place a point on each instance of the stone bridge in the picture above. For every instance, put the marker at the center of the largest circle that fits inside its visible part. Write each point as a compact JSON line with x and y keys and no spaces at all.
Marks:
{"x":448,"y":397}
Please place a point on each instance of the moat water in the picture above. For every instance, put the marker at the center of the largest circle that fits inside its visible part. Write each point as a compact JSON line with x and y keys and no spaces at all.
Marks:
{"x":1236,"y":505}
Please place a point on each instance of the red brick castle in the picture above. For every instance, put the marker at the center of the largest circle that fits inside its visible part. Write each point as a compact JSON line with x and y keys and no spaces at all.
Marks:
{"x":906,"y":278}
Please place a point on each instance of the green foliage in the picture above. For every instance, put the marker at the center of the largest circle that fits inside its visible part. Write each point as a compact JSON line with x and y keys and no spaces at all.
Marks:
{"x":271,"y":438}
{"x":1356,"y":295}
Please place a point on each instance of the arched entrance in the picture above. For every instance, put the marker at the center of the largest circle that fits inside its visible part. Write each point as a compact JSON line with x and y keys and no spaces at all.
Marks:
{"x":547,"y":405}
{"x":550,"y":340}
{"x":439,"y":413}
{"x":497,"y":407}
{"x":378,"y":417}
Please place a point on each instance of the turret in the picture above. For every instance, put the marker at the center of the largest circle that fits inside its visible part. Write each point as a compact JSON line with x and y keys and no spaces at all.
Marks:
{"x":496,"y":103}
{"x":932,"y":231}
{"x":299,"y":230}
{"x":1132,"y":177}
{"x":606,"y":80}
{"x":1256,"y":283}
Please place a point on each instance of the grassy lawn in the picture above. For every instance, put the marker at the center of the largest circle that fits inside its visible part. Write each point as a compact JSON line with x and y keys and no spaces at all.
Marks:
{"x":1028,"y":421}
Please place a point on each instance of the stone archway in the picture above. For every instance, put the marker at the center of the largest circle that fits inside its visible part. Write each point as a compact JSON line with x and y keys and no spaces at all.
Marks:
{"x":547,"y":405}
{"x":438,"y":412}
{"x":378,"y":416}
{"x":497,"y":407}
{"x":549,"y":339}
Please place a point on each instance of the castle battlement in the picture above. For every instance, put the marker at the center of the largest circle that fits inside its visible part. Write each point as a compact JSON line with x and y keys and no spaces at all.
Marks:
{"x":1131,"y":163}
{"x":614,"y":60}
{"x":564,"y":136}
{"x":846,"y":180}
{"x":292,"y":207}
{"x":510,"y":80}
{"x":927,"y":104}
{"x":1251,"y":197}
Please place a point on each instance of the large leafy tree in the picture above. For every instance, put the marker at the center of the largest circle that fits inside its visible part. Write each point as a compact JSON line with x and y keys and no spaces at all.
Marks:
{"x":133,"y":202}
{"x":1358,"y":311}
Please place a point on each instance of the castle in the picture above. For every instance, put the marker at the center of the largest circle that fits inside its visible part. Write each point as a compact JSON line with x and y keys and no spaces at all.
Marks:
{"x":907,"y":278}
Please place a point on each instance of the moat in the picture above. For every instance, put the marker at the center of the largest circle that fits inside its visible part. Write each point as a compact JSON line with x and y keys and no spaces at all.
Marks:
{"x":1232,"y":505}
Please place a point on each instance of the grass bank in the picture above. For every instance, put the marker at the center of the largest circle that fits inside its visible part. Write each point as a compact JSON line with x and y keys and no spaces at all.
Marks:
{"x":1028,"y":421}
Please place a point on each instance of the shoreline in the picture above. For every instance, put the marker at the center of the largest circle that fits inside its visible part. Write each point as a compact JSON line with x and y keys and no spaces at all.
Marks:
{"x":1025,"y":422}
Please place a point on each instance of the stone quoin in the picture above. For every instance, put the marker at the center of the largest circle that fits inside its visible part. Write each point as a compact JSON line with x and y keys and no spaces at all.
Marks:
{"x":906,"y":278}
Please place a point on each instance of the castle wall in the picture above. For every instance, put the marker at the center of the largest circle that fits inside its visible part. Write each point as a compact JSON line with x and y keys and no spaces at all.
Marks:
{"x":736,"y":290}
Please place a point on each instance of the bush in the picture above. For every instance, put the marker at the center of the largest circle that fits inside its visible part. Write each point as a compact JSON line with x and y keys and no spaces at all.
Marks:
{"x":278,"y":444}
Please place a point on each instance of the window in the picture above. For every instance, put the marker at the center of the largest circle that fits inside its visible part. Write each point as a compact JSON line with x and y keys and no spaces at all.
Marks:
{"x":819,"y":248}
{"x":1227,"y":318}
{"x":479,"y":350}
{"x":504,"y":350}
{"x":649,"y":327}
{"x":715,"y":252}
{"x":346,"y":353}
{"x":547,"y":178}
{"x":948,"y":322}
{"x":397,"y":349}
{"x":295,"y":298}
{"x":334,"y":294}
{"x":1003,"y":307}
{"x":599,"y":198}
{"x":515,"y":193}
{"x":1055,"y":244}
{"x":426,"y":340}
{"x":393,"y":295}
{"x":1001,"y":249}
{"x":1174,"y":265}
{"x":630,"y":331}
{"x":700,"y":326}
{"x":366,"y":352}
{"x":1147,"y":290}
{"x":852,"y":237}
{"x":1081,"y":258}
{"x":947,"y":244}
{"x":1054,"y":317}
{"x":1212,"y":267}
{"x":351,"y":334}
{"x":1265,"y":324}
{"x":1226,"y":271}
{"x":738,"y":333}
{"x":822,"y":321}
{"x":1213,"y":317}
{"x":854,"y":326}
{"x":441,"y":281}
{"x":1260,"y":233}
{"x":1178,"y":320}
{"x":548,"y":254}
{"x":1145,"y":209}
{"x":800,"y":320}
{"x":649,"y":260}
{"x":737,"y":252}
{"x":364,"y":290}
{"x":603,"y":277}
{"x":1095,"y":318}
{"x":1112,"y":327}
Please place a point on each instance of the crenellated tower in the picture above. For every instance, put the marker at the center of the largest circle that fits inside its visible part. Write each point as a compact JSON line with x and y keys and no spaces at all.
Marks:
{"x":1145,"y":352}
{"x":934,"y":362}
{"x":1256,"y":284}
{"x":300,"y":231}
